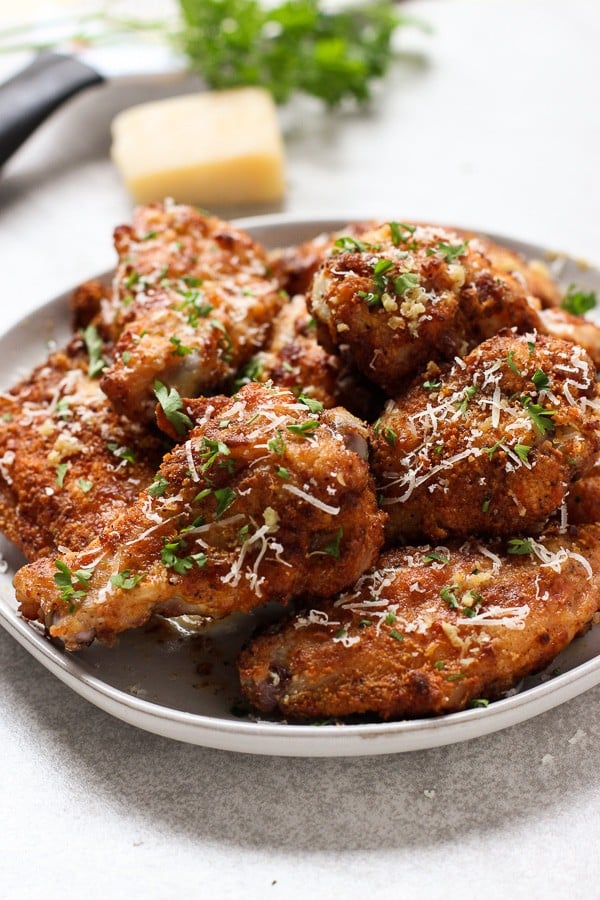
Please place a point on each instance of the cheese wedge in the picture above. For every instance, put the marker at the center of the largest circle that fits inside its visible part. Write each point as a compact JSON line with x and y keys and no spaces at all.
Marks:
{"x":214,"y":149}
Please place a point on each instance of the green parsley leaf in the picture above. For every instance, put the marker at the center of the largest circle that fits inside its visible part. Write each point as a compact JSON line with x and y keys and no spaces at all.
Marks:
{"x":277,"y":444}
{"x":520,"y":546}
{"x":282,"y":472}
{"x":439,"y":664}
{"x":577,"y":301}
{"x":432,"y":556}
{"x":457,"y":677}
{"x":180,"y":349}
{"x":125,"y":580}
{"x":85,"y":486}
{"x":333,"y":547}
{"x":541,"y":417}
{"x":448,"y":596}
{"x":304,"y":428}
{"x":63,"y":579}
{"x":201,"y":495}
{"x":522,"y":451}
{"x":468,"y":394}
{"x":62,"y":410}
{"x":315,"y":406}
{"x":94,"y":346}
{"x":479,"y":703}
{"x":510,"y":359}
{"x":396,"y":635}
{"x":350,"y":244}
{"x":404,"y":282}
{"x":172,"y":407}
{"x":486,"y":504}
{"x":432,"y":385}
{"x":126,"y":357}
{"x":61,"y":471}
{"x":225,"y":497}
{"x":491,"y":450}
{"x":158,"y":486}
{"x":541,"y":380}
{"x":450,"y":252}
{"x":124,"y":453}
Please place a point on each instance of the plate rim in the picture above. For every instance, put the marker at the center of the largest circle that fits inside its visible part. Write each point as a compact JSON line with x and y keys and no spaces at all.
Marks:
{"x":283,"y":739}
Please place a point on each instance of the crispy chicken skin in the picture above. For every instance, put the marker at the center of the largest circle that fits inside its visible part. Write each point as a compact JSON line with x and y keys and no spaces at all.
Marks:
{"x":68,"y":462}
{"x":404,"y":295}
{"x":491,"y":445}
{"x":296,"y":265}
{"x":294,"y":359}
{"x":429,"y":630}
{"x":577,"y":329}
{"x":193,"y":300}
{"x":264,"y":500}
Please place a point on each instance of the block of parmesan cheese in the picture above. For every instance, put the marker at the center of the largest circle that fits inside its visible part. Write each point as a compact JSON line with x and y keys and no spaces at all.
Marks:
{"x":219,"y":148}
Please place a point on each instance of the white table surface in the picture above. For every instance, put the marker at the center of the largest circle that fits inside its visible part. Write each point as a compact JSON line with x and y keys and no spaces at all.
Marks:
{"x":497,"y":128}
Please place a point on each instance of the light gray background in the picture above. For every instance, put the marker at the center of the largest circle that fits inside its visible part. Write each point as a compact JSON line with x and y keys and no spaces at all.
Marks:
{"x":498,"y":127}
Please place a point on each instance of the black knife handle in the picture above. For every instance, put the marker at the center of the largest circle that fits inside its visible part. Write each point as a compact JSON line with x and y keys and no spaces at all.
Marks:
{"x":28,"y":98}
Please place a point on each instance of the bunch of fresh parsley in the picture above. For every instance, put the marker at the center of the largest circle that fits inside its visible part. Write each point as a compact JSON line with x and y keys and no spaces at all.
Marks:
{"x":294,"y":46}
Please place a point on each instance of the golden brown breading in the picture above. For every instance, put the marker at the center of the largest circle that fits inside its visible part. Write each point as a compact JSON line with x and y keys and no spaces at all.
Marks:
{"x":87,"y":302}
{"x":429,"y":630}
{"x":492,"y":445}
{"x":193,"y":301}
{"x":534,"y":275}
{"x":583,"y":502}
{"x":403,"y":295}
{"x":68,"y":462}
{"x":295,"y":266}
{"x":295,"y":360}
{"x":263,"y":501}
{"x":561,"y":324}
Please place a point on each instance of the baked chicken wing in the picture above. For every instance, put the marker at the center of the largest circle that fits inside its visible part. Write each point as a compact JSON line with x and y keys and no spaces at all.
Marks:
{"x":193,"y":300}
{"x":68,"y":462}
{"x":403,"y":295}
{"x":265,"y":499}
{"x":429,"y":630}
{"x":491,"y":445}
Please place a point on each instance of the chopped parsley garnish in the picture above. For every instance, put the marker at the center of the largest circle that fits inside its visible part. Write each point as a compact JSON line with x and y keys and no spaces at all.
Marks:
{"x":210,"y":451}
{"x":172,"y":407}
{"x":486,"y":504}
{"x":277,"y":444}
{"x":448,"y":596}
{"x":541,"y":380}
{"x":531,"y":347}
{"x":225,"y":340}
{"x":350,"y":244}
{"x":577,"y":301}
{"x":63,"y":579}
{"x":388,"y":434}
{"x":225,"y":497}
{"x":439,"y":664}
{"x":282,"y":472}
{"x":432,"y":385}
{"x":193,"y":307}
{"x":126,"y":357}
{"x":315,"y":406}
{"x":457,"y":677}
{"x":126,"y":580}
{"x":179,"y":349}
{"x":191,"y":281}
{"x":479,"y":703}
{"x":158,"y":486}
{"x":61,"y":409}
{"x":201,"y":495}
{"x":395,"y":233}
{"x":94,"y":346}
{"x":450,"y":252}
{"x":468,"y":394}
{"x":510,"y":359}
{"x":522,"y":451}
{"x":541,"y":417}
{"x":341,"y":633}
{"x":520,"y":546}
{"x":124,"y":453}
{"x":432,"y":556}
{"x":397,"y":230}
{"x":390,"y":618}
{"x":404,"y":282}
{"x":61,"y":471}
{"x":365,"y":623}
{"x":491,"y":450}
{"x":304,"y":428}
{"x":85,"y":485}
{"x":396,"y":635}
{"x":333,"y":547}
{"x":180,"y":564}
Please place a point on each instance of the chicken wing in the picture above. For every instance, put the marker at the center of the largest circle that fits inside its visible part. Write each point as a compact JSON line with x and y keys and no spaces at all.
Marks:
{"x":429,"y":630}
{"x":294,"y":359}
{"x":577,"y":329}
{"x":68,"y":462}
{"x":403,"y":295}
{"x":193,"y":300}
{"x":490,"y":446}
{"x":266,"y":498}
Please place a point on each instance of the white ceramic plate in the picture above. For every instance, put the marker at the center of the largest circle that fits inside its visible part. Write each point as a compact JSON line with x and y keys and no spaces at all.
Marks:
{"x":183,"y":686}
